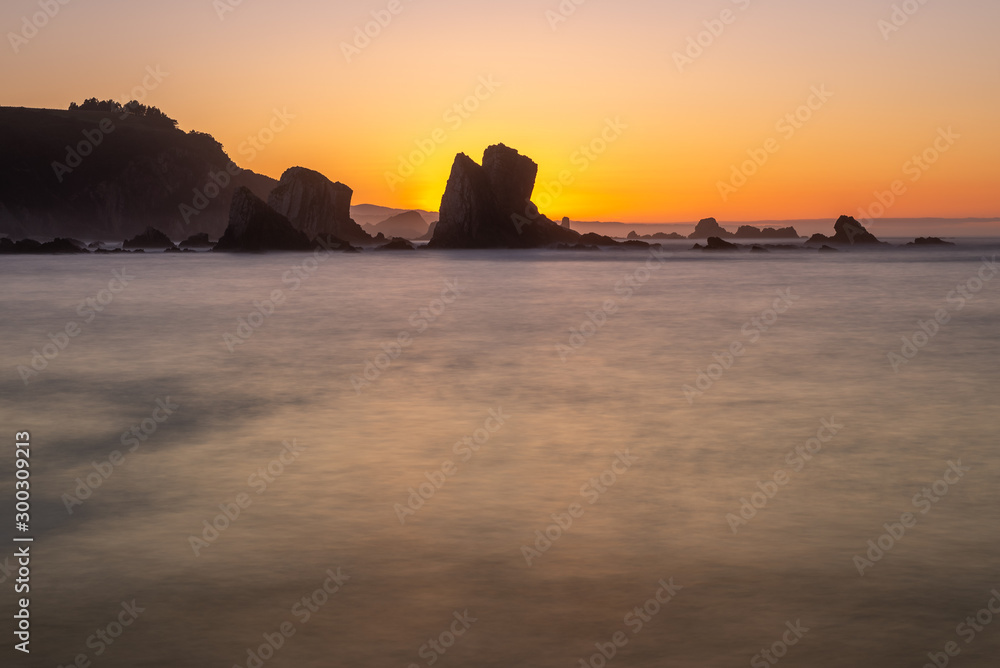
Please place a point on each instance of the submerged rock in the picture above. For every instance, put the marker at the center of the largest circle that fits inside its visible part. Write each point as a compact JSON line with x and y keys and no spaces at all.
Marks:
{"x":929,"y":241}
{"x":717,"y":244}
{"x":197,"y":241}
{"x":254,"y":226}
{"x":397,"y":244}
{"x":31,"y":247}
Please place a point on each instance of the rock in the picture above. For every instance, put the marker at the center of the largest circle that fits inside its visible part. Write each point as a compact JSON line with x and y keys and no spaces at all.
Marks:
{"x":656,"y":237}
{"x":576,"y":247}
{"x":31,"y":247}
{"x":828,"y":249}
{"x":407,"y":225}
{"x":254,"y":227}
{"x":151,"y":238}
{"x":847,"y":231}
{"x":316,"y":205}
{"x":397,"y":244}
{"x":751,"y":232}
{"x":331,"y":243}
{"x":717,"y":244}
{"x":380,"y":238}
{"x":430,"y":232}
{"x":929,"y":241}
{"x":709,"y":227}
{"x":489,"y":206}
{"x":758,"y":249}
{"x":197,"y":241}
{"x":633,"y":235}
{"x":566,"y":223}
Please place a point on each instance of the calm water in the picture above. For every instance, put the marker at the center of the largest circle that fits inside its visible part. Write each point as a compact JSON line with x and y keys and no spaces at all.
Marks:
{"x":566,"y":412}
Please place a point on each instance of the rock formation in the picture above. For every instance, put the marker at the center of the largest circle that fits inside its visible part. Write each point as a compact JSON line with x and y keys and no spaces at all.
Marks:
{"x":848,"y":232}
{"x":929,"y":241}
{"x":32,"y":247}
{"x":254,"y":226}
{"x":709,"y":227}
{"x":656,"y":237}
{"x":151,"y":238}
{"x":489,"y":206}
{"x":397,"y":244}
{"x":197,"y":241}
{"x":716,"y":244}
{"x":315,"y":205}
{"x":407,"y":225}
{"x":751,"y":232}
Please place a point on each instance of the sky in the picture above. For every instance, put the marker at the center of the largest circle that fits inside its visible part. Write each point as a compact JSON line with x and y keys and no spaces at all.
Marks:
{"x":635,"y":110}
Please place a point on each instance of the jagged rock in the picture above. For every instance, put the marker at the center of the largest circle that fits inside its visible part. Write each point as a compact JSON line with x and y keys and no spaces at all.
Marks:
{"x":717,"y":244}
{"x":929,"y":241}
{"x":32,"y":247}
{"x":751,"y":232}
{"x":151,"y":238}
{"x":316,"y":205}
{"x":197,"y":241}
{"x":397,"y":244}
{"x":489,"y":206}
{"x":709,"y":227}
{"x":847,"y":231}
{"x":254,"y":226}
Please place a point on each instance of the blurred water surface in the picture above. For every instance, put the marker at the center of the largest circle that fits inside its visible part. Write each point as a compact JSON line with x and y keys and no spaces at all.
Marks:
{"x":567,"y":412}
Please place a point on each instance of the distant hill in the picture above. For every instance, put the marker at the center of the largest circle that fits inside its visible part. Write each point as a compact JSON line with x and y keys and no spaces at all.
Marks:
{"x":372,"y":214}
{"x":409,"y":225}
{"x":108,"y":175}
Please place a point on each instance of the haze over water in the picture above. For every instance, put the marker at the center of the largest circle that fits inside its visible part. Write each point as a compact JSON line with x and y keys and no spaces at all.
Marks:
{"x":495,"y":349}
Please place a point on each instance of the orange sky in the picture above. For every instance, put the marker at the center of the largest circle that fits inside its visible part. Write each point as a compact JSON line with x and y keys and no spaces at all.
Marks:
{"x":609,"y":68}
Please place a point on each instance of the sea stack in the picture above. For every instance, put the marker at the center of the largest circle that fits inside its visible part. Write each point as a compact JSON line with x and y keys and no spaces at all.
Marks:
{"x":316,"y":205}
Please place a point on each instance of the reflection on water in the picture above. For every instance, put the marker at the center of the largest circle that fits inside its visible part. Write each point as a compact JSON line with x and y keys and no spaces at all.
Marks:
{"x":394,"y":439}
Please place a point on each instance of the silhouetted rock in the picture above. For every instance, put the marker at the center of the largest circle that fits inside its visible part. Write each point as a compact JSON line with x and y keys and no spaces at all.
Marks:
{"x":709,"y":227}
{"x":316,"y":205}
{"x":929,"y":241}
{"x":717,"y":244}
{"x":659,"y":236}
{"x":380,"y":238}
{"x":758,"y":249}
{"x":407,"y":225}
{"x":32,"y":247}
{"x":576,"y":247}
{"x":254,"y":226}
{"x":847,"y":231}
{"x":151,"y":238}
{"x":566,"y":223}
{"x":197,"y":241}
{"x":828,"y":249}
{"x":751,"y":232}
{"x":489,"y":206}
{"x":328,"y":242}
{"x":397,"y":244}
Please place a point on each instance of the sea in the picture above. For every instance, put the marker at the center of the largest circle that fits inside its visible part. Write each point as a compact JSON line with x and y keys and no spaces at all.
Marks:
{"x":623,"y":458}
